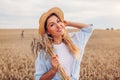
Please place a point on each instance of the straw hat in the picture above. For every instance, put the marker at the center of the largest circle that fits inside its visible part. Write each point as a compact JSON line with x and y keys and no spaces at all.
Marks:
{"x":44,"y":16}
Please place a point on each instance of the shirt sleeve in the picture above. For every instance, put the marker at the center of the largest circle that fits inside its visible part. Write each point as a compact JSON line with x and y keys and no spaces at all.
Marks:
{"x":40,"y":67}
{"x":83,"y":35}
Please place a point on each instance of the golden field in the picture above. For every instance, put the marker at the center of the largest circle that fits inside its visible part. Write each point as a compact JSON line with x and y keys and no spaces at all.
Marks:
{"x":101,"y":60}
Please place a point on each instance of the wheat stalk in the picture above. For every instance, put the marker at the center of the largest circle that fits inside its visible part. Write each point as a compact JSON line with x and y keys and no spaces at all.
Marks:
{"x":44,"y":42}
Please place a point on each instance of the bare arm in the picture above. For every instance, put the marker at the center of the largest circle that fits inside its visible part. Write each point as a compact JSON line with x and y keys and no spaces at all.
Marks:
{"x":75,"y":24}
{"x":48,"y":75}
{"x":51,"y":73}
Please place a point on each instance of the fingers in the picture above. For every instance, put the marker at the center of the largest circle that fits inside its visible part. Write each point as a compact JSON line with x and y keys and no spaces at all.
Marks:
{"x":55,"y":61}
{"x":66,"y":23}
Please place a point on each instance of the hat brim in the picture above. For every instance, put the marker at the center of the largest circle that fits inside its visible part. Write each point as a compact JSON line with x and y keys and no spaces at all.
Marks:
{"x":44,"y":16}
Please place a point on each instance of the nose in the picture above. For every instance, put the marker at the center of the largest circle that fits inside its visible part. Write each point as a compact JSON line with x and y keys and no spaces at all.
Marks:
{"x":58,"y":25}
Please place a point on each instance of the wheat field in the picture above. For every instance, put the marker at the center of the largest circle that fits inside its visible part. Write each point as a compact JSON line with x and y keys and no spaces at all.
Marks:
{"x":101,"y":60}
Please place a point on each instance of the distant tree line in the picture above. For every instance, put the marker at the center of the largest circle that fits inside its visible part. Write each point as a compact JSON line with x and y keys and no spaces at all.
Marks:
{"x":110,"y":28}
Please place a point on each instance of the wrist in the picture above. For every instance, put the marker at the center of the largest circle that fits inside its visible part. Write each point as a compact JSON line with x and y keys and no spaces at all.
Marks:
{"x":54,"y":69}
{"x":66,"y":23}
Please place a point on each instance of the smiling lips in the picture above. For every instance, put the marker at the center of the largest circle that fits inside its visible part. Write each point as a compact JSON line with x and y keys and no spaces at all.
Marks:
{"x":59,"y":30}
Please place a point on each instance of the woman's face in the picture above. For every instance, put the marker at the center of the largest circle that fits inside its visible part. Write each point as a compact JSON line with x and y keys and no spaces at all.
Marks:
{"x":55,"y":27}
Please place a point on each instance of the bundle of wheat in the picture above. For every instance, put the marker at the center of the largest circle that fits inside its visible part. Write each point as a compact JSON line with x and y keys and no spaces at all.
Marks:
{"x":44,"y":43}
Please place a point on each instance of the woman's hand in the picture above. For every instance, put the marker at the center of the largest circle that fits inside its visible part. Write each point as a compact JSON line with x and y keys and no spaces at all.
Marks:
{"x":51,"y":73}
{"x":66,"y":23}
{"x":75,"y":24}
{"x":55,"y":62}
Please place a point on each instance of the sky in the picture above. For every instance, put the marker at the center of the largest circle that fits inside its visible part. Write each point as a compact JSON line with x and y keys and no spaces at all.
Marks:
{"x":26,"y":13}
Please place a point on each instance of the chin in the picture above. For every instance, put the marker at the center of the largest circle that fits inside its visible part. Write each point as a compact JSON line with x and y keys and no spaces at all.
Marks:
{"x":59,"y":34}
{"x":62,"y":33}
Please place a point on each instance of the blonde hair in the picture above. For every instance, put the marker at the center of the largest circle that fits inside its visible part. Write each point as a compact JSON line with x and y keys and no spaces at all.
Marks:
{"x":74,"y":50}
{"x":71,"y":46}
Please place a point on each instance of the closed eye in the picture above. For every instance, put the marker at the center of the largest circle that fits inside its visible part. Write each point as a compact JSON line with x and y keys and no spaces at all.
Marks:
{"x":51,"y":24}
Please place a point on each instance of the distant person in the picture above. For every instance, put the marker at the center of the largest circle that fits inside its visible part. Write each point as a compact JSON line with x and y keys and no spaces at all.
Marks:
{"x":22,"y":34}
{"x":61,"y":55}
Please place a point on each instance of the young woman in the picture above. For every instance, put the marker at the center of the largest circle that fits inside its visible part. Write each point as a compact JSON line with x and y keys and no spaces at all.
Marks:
{"x":68,"y":48}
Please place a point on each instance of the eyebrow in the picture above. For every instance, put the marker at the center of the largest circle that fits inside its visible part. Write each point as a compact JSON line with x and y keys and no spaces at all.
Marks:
{"x":53,"y":22}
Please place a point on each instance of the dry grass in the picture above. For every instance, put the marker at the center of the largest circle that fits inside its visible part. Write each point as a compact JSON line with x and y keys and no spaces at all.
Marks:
{"x":102,"y":57}
{"x":100,"y":62}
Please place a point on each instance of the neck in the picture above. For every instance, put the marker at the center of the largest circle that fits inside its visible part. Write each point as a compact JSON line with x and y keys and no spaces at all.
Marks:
{"x":57,"y":40}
